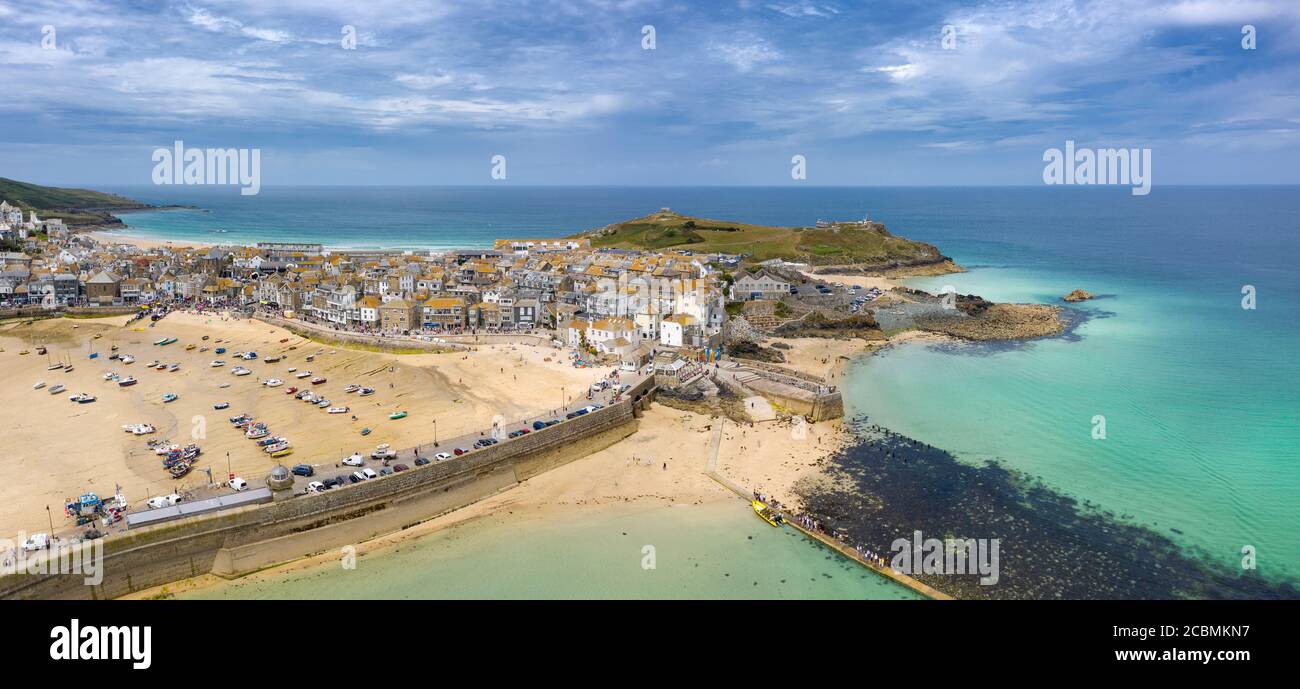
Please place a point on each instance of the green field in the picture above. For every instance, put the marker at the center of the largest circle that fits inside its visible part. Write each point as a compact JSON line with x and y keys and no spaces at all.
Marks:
{"x":843,"y":244}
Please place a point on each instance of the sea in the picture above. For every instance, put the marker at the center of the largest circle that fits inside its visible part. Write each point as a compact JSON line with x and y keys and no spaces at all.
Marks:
{"x":1171,"y":405}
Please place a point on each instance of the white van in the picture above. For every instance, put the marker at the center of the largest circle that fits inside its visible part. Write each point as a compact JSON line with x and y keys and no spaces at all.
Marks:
{"x":164,"y":501}
{"x":37,"y":541}
{"x":238,"y":483}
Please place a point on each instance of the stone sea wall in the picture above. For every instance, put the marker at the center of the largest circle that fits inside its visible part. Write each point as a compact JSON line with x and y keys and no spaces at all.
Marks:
{"x":247,"y":539}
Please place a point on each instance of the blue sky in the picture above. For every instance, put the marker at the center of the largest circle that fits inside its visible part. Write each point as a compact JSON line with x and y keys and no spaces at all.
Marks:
{"x":864,"y":90}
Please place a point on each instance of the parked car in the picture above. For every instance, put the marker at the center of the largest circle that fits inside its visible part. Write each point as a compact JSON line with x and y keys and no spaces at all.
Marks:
{"x":460,"y":451}
{"x":539,"y":425}
{"x":368,"y":473}
{"x":442,"y":456}
{"x":164,"y":501}
{"x":355,"y":460}
{"x":316,"y":487}
{"x":304,"y":470}
{"x":356,"y":477}
{"x":386,"y":471}
{"x":420,"y":461}
{"x":383,"y":452}
{"x":400,"y":467}
{"x":514,"y":434}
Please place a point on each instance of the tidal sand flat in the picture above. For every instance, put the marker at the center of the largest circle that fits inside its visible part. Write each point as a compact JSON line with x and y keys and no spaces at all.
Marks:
{"x":59,"y":449}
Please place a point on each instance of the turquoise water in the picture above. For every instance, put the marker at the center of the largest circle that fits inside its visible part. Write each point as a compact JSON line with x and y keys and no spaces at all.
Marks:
{"x":1200,"y":396}
{"x":716,"y":551}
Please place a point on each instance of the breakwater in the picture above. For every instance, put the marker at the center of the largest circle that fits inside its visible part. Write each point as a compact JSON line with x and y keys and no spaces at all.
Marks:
{"x":244,"y":540}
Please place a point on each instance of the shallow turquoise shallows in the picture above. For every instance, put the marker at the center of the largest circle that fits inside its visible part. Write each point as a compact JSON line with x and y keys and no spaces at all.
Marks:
{"x":698,"y":551}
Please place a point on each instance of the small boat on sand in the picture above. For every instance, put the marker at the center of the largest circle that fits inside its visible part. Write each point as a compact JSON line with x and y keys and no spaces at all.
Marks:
{"x":82,"y":398}
{"x":365,"y":431}
{"x":397,"y":415}
{"x":366,"y":392}
{"x":169,"y":397}
{"x":352,"y":388}
{"x":129,"y":380}
{"x":337,"y":410}
{"x":54,"y":367}
{"x":317,"y":380}
{"x":57,"y":389}
{"x":283,"y":453}
{"x":39,"y":384}
{"x":127,"y":359}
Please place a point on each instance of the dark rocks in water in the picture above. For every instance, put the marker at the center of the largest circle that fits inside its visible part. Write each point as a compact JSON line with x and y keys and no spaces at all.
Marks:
{"x":1050,"y":546}
{"x":1078,"y":295}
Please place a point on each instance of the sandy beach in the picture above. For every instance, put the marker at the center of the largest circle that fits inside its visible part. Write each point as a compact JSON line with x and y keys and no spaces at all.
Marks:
{"x":661,"y":465}
{"x":114,"y":237}
{"x":58,"y":449}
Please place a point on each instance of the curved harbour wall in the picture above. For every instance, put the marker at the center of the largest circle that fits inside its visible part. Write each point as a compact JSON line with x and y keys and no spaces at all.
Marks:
{"x":244,"y":540}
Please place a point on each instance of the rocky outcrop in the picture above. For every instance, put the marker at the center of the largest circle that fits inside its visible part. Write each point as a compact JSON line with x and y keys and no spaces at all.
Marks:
{"x":1078,"y":295}
{"x":987,"y":322}
{"x":817,"y":324}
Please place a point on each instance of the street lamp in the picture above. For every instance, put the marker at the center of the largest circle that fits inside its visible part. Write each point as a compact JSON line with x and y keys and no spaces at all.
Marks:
{"x":435,"y":432}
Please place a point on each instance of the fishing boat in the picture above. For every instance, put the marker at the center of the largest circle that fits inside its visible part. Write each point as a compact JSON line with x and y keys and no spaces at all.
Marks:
{"x":323,"y":403}
{"x":240,"y":371}
{"x":311,"y":358}
{"x":54,"y":366}
{"x":113,"y":348}
{"x":57,"y":389}
{"x":273,"y":382}
{"x":365,"y":431}
{"x":302,"y":374}
{"x":397,"y":415}
{"x":205,"y":338}
{"x":764,"y":513}
{"x":39,"y":384}
{"x":291,"y":391}
{"x":111,"y":375}
{"x":97,"y":336}
{"x":269,"y":441}
{"x":352,"y":388}
{"x":173,"y":368}
{"x":283,"y":453}
{"x":337,"y":410}
{"x":169,"y":397}
{"x":317,"y":380}
{"x":160,"y":341}
{"x":366,"y":392}
{"x":23,"y":352}
{"x":257,"y":432}
{"x":190,"y":347}
{"x":272,"y":359}
{"x":82,"y":398}
{"x":41,"y":350}
{"x":160,"y":366}
{"x":217,"y":362}
{"x":276,"y":447}
{"x":179,"y":470}
{"x":127,"y":359}
{"x":202,"y":349}
{"x":221,"y":405}
{"x":220,"y":350}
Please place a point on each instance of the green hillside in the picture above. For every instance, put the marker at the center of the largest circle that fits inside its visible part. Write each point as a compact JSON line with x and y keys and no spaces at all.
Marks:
{"x":74,"y":206}
{"x":843,"y":244}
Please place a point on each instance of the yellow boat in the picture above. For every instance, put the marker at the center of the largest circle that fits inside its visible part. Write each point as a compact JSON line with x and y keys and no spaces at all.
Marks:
{"x":283,"y":453}
{"x":188,"y":347}
{"x":763,"y":513}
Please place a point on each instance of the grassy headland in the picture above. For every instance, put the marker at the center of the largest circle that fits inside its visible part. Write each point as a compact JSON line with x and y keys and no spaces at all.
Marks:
{"x":73,"y":206}
{"x":863,"y":245}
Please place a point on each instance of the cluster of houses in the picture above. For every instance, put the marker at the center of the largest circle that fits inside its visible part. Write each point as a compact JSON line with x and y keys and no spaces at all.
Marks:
{"x":607,"y":301}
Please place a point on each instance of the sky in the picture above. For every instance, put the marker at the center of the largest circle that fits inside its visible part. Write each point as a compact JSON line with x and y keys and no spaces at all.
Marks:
{"x":869,"y":93}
